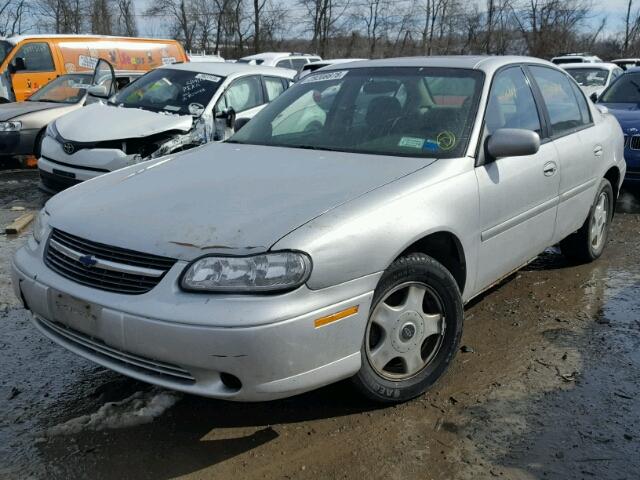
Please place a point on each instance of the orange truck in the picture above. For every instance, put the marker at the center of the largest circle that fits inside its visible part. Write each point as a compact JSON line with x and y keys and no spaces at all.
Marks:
{"x":29,"y":62}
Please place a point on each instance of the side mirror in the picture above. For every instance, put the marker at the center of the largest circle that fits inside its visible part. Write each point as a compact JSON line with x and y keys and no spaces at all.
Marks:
{"x":229,"y":115}
{"x":602,"y":109}
{"x":594,"y":97}
{"x":18,"y":64}
{"x":513,"y":142}
{"x":241,"y":122}
{"x":100,"y":91}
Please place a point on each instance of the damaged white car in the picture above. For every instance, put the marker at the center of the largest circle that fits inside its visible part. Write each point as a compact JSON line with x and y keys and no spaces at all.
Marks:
{"x":168,"y":110}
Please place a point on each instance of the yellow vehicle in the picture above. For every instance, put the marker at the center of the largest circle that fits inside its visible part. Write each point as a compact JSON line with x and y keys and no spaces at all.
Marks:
{"x":31,"y":61}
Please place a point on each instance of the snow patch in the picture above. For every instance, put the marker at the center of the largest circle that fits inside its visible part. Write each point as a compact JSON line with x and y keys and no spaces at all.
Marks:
{"x":138,"y":409}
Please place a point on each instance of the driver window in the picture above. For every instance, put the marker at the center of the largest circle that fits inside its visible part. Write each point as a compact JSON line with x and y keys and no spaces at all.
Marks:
{"x":511,"y":103}
{"x":242,"y":95}
{"x":36,"y":57}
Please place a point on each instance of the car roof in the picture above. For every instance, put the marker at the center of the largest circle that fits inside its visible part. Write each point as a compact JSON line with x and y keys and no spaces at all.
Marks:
{"x":15,"y":39}
{"x":626,"y":60}
{"x":273,"y":55}
{"x":485,"y":63}
{"x":602,"y":65}
{"x":225,"y":69}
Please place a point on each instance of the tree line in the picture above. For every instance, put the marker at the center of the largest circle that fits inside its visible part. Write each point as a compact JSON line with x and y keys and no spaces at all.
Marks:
{"x":346,"y":28}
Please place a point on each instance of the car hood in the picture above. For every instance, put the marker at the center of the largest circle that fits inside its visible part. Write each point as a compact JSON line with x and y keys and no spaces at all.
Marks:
{"x":627,"y":114}
{"x":219,"y":198}
{"x":99,"y":122}
{"x":9,"y":111}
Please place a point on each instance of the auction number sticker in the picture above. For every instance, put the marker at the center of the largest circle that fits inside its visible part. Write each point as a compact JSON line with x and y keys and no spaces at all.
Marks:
{"x":325,"y":77}
{"x":208,"y":77}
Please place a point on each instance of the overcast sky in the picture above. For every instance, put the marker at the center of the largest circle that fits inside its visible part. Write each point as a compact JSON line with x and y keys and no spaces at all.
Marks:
{"x":614,"y":10}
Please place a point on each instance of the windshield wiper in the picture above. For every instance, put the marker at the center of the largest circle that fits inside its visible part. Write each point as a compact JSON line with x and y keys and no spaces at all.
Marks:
{"x":312,"y":147}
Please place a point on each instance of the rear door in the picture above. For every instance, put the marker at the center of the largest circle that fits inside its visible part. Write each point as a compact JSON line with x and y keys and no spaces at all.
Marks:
{"x":518,"y":195}
{"x":579,"y":143}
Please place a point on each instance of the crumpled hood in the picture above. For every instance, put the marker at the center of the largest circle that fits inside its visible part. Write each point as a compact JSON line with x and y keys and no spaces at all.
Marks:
{"x":9,"y":111}
{"x":99,"y":122}
{"x":219,"y":198}
{"x":627,"y":114}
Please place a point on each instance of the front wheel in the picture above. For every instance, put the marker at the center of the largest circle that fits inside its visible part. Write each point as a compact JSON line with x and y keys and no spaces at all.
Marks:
{"x":413,"y":331}
{"x":587,"y":244}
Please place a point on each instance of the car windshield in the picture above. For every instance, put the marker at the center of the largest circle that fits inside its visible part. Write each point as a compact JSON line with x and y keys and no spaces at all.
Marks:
{"x":408,"y":111}
{"x":170,"y":90}
{"x":69,"y":88}
{"x":589,"y":77}
{"x":5,"y":48}
{"x":625,"y":90}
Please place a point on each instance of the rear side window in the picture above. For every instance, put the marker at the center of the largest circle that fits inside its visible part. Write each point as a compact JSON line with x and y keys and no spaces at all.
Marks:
{"x":36,"y":56}
{"x":511,"y":103}
{"x":298,"y":63}
{"x":243,"y":94}
{"x":582,"y":103}
{"x":559,"y":99}
{"x":274,"y":87}
{"x":284,"y":64}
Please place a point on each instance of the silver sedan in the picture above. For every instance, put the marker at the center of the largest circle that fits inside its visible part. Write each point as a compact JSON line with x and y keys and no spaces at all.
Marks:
{"x":337,"y":235}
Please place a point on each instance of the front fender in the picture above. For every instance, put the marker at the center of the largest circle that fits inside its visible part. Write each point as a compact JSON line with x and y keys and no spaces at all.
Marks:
{"x":367,"y":234}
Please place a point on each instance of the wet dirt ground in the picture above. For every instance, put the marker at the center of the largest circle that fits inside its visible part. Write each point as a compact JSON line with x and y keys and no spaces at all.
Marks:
{"x":547,"y":387}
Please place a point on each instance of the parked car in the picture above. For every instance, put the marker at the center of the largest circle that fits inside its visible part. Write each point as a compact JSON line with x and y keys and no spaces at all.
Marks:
{"x":576,"y":58}
{"x":169,"y":109}
{"x":22,"y":125}
{"x":294,"y":61}
{"x":625,"y":63}
{"x":593,"y":78}
{"x":291,"y":257}
{"x":201,"y":57}
{"x":28,"y":62}
{"x":622,"y":100}
{"x":313,"y":66}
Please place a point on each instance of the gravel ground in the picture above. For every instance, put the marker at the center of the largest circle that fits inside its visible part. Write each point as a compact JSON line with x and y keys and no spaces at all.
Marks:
{"x":548,"y":386}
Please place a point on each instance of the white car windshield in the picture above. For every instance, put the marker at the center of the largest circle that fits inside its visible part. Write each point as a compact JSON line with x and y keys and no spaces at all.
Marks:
{"x":69,"y":88}
{"x":405,"y":111}
{"x":589,"y":77}
{"x":170,"y":90}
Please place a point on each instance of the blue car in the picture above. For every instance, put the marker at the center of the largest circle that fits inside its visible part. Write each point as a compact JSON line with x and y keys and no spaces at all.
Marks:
{"x":622,"y":98}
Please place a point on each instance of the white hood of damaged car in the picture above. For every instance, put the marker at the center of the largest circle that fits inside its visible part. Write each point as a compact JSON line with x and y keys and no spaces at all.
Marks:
{"x":219,"y":198}
{"x":99,"y":122}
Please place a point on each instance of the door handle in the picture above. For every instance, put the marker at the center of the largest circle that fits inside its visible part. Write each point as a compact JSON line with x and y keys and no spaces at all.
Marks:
{"x":550,"y":169}
{"x":597,"y":150}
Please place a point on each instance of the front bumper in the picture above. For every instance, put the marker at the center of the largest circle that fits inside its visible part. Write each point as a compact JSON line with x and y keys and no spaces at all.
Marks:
{"x":187,"y":341}
{"x":632,"y":159}
{"x":18,"y":143}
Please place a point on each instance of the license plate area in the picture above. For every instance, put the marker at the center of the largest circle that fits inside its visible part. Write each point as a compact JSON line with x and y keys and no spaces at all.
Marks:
{"x":73,"y":312}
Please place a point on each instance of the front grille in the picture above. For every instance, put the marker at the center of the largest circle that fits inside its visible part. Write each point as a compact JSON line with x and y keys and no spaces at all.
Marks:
{"x":634,"y":143}
{"x":104,"y":267}
{"x":626,"y":141}
{"x":129,"y":360}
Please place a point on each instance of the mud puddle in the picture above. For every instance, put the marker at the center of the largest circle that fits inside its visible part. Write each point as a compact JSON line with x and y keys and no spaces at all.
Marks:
{"x":548,"y":387}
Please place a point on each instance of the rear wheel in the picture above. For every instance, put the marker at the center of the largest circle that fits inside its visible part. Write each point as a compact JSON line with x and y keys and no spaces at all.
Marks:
{"x":587,"y":244}
{"x":413,"y":330}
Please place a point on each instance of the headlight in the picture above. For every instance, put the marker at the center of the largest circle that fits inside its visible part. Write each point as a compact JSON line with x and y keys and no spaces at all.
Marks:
{"x":52,"y":131}
{"x":10,"y":126}
{"x":267,"y":272}
{"x":40,"y":225}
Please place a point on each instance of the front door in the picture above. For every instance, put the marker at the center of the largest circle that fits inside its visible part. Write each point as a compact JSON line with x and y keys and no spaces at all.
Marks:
{"x":518,"y":195}
{"x":32,"y":67}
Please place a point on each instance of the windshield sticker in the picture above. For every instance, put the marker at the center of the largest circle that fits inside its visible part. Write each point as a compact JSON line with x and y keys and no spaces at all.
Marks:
{"x":446,"y":140}
{"x":411,"y":142}
{"x":325,"y":77}
{"x":196,"y":109}
{"x":430,"y":145}
{"x":87,"y":62}
{"x":172,"y":108}
{"x":208,"y":77}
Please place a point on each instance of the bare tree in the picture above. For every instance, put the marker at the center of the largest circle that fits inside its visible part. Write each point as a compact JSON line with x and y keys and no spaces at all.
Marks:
{"x":181,"y":14}
{"x":126,"y":18}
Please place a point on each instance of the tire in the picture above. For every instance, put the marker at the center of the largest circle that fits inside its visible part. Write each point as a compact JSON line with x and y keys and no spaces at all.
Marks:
{"x":588,"y":243}
{"x":37,"y":145}
{"x":429,"y":332}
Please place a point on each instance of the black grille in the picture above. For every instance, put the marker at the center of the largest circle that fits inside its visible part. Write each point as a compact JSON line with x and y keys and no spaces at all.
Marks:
{"x":626,"y":141}
{"x":634,"y":143}
{"x":102,"y":278}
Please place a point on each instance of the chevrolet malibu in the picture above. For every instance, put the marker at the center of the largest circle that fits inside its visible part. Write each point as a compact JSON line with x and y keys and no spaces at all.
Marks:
{"x":337,"y":235}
